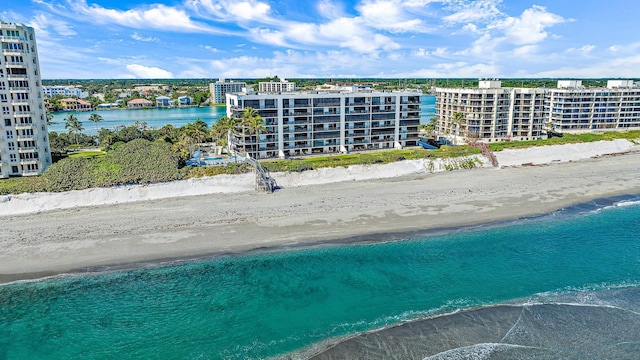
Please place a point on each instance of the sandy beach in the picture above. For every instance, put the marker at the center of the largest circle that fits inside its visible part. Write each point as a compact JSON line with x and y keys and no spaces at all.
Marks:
{"x":181,"y":220}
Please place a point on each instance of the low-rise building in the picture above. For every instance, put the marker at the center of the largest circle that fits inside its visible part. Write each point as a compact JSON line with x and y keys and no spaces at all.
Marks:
{"x":305,"y":123}
{"x":184,"y":100}
{"x":276,"y":86}
{"x":139,"y":103}
{"x":71,"y":104}
{"x":51,"y":91}
{"x":164,"y":102}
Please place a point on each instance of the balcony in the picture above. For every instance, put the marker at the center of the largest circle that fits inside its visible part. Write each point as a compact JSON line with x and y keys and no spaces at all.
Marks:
{"x":25,"y":149}
{"x":17,"y":77}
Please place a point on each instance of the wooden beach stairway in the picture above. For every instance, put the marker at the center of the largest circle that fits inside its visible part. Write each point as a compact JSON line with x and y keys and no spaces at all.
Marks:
{"x":263,"y":180}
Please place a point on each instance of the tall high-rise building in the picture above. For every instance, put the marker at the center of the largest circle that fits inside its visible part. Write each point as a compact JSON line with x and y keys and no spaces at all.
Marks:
{"x":221,"y":87}
{"x":24,"y":141}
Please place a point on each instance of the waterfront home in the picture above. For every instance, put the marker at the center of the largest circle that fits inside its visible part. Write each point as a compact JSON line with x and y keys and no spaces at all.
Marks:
{"x":107,"y":106}
{"x":71,"y":104}
{"x":164,"y":102}
{"x":184,"y":100}
{"x":139,"y":104}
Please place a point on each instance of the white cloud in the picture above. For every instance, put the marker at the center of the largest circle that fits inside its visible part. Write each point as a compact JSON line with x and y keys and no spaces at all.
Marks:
{"x":230,"y":10}
{"x":530,"y":27}
{"x":211,"y":48}
{"x":472,"y":11}
{"x":42,"y":22}
{"x":615,"y":68}
{"x":139,"y":37}
{"x":156,"y":16}
{"x":146,"y":72}
{"x":629,"y":48}
{"x":388,"y":15}
{"x":585,"y":50}
{"x":330,"y":9}
{"x":527,"y":50}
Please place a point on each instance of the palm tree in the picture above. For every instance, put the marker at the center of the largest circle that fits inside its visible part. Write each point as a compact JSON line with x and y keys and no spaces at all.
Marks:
{"x":74,"y":125}
{"x":254,"y":123}
{"x":458,"y":119}
{"x":50,"y":119}
{"x":195,"y":132}
{"x":95,"y":118}
{"x":223,"y":128}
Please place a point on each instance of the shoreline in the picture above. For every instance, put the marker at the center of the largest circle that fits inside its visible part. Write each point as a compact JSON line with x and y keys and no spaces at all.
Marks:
{"x":173,"y":229}
{"x":375,"y":238}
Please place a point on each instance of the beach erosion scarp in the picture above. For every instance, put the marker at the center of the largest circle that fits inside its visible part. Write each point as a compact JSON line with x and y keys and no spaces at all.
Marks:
{"x":30,"y":203}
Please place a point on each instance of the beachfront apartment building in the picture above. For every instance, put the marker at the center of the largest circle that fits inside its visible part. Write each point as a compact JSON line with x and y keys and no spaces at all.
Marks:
{"x":24,"y":139}
{"x":572,"y":108}
{"x":490,"y":113}
{"x":306,"y":123}
{"x":276,"y":86}
{"x":221,"y":87}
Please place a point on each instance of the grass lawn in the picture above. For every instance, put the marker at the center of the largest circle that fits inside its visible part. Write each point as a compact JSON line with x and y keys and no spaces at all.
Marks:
{"x":88,"y":154}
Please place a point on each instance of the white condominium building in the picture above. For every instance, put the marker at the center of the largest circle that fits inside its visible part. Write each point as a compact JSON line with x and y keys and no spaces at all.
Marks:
{"x":24,"y":141}
{"x":276,"y":86}
{"x":221,"y":87}
{"x":305,"y":123}
{"x":572,"y":108}
{"x":51,"y":91}
{"x":490,"y":112}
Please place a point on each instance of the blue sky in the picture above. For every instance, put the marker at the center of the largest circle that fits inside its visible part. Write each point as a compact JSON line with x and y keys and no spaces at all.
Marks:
{"x":82,"y":39}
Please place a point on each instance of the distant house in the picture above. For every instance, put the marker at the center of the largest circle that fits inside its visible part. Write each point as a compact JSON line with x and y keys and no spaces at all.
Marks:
{"x":164,"y":102}
{"x":184,"y":100}
{"x":71,"y":104}
{"x":139,"y":103}
{"x":107,"y":106}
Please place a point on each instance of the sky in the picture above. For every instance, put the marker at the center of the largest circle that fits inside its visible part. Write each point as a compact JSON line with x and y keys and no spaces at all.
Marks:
{"x":113,"y":39}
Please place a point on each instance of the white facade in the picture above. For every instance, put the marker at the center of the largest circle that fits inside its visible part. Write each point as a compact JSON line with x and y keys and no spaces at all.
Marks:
{"x":24,"y":141}
{"x":221,"y":87}
{"x":490,"y":113}
{"x":305,"y":123}
{"x":583,"y":110}
{"x":51,"y":91}
{"x":276,"y":87}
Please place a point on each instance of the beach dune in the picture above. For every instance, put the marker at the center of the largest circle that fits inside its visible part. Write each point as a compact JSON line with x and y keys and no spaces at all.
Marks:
{"x":224,"y":215}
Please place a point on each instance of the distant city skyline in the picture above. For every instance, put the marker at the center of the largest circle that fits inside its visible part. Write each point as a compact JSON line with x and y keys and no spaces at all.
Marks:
{"x":83,"y":39}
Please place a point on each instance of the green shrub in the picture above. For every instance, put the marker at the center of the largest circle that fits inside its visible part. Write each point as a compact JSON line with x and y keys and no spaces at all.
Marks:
{"x":69,"y":174}
{"x":140,"y":161}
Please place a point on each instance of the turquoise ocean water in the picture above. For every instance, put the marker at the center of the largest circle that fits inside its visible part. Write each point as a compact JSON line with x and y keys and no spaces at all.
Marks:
{"x":268,"y":304}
